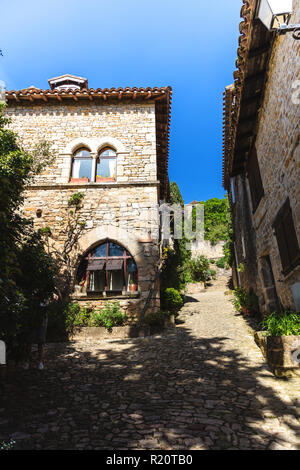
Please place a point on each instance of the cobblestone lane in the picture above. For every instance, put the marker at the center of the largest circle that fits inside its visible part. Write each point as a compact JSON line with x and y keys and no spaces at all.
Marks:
{"x":202,"y":385}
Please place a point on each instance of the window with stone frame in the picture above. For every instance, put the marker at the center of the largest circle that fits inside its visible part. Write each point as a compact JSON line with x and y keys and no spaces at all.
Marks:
{"x":108,"y":268}
{"x":82,"y":165}
{"x":287,"y":240}
{"x":255,"y":181}
{"x":106,"y":165}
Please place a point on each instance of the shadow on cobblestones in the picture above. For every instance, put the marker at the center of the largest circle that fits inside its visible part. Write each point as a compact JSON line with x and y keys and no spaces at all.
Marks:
{"x":170,"y":391}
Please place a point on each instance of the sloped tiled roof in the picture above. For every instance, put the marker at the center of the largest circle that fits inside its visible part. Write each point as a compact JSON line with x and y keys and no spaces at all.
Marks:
{"x":242,"y":100}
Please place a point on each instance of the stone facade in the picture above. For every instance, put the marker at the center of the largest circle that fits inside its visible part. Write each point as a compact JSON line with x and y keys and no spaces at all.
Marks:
{"x":204,"y":247}
{"x":277,"y":144}
{"x":117,"y":210}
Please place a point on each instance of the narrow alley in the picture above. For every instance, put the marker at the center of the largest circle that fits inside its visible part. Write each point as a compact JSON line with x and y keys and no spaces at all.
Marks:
{"x":201,"y":385}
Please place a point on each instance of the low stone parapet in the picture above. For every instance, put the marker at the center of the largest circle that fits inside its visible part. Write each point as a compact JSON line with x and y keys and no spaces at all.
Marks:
{"x":117,"y":332}
{"x":281,"y":352}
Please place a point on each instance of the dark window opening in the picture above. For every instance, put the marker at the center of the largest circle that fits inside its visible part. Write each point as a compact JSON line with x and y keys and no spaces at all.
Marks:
{"x":255,"y":181}
{"x":287,"y":238}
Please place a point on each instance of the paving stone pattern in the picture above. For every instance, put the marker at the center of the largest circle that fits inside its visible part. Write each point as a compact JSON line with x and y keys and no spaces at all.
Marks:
{"x":201,"y":385}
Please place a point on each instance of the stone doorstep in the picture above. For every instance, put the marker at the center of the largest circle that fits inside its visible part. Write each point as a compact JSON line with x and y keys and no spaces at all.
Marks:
{"x":278,"y":351}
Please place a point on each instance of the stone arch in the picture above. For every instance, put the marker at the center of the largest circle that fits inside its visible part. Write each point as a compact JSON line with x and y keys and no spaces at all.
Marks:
{"x":110,"y":142}
{"x":118,"y":235}
{"x":75,"y":144}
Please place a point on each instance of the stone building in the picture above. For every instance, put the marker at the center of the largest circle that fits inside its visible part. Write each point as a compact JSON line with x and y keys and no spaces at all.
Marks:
{"x":261,"y":162}
{"x":112,"y":146}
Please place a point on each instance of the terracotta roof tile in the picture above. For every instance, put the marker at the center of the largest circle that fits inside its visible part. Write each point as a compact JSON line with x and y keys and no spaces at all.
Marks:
{"x":232,"y":94}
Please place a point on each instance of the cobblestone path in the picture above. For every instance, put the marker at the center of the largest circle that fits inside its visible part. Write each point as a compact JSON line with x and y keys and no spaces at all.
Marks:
{"x":201,"y":385}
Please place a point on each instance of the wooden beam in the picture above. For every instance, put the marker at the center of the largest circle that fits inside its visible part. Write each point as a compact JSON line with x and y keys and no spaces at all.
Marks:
{"x":245,"y":135}
{"x":250,"y":118}
{"x":240,"y":153}
{"x":255,"y":77}
{"x":252,"y":99}
{"x":257,"y":51}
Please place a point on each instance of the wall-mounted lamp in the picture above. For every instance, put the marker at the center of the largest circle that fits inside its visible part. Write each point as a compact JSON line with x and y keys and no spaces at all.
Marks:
{"x":276,"y":15}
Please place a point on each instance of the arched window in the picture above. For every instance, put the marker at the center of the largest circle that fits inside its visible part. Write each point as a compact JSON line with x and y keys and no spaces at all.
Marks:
{"x":82,"y":165}
{"x":110,"y":268}
{"x":106,"y":165}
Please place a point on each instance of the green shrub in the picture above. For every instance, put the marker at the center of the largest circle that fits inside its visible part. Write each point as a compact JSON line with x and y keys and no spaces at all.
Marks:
{"x":156,"y":319}
{"x":212,"y":273}
{"x":199,"y":269}
{"x":212,"y":261}
{"x":221,"y":263}
{"x":76,"y":316}
{"x":172,"y":300}
{"x":242,"y":298}
{"x":7,"y":445}
{"x":239,"y":299}
{"x":282,"y":324}
{"x":110,"y":316}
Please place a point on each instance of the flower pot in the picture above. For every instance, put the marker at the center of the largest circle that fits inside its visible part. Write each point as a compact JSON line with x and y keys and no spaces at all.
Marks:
{"x":132,"y":287}
{"x":245,"y":310}
{"x":79,"y":180}
{"x":105,"y":180}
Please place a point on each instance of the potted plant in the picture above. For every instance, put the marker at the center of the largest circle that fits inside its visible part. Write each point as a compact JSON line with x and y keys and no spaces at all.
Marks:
{"x":102,"y":179}
{"x":132,"y":286}
{"x":245,"y":302}
{"x":83,"y":179}
{"x":279,"y":341}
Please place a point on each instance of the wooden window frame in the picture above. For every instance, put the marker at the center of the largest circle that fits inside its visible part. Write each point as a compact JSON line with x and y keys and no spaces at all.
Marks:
{"x":90,"y":258}
{"x":255,"y":181}
{"x":287,"y":240}
{"x":75,"y":157}
{"x":102,"y":179}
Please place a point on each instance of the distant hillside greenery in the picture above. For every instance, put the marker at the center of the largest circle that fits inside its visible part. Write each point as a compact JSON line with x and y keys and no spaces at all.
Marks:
{"x":217,"y":220}
{"x":218,"y":225}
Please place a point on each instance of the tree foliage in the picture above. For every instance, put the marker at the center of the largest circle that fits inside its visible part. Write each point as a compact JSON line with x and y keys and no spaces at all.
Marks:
{"x":27,"y":271}
{"x":217,"y":219}
{"x":70,"y":231}
{"x":175,"y":274}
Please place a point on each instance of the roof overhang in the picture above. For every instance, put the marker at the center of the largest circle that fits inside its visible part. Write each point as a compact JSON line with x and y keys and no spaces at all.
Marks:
{"x":243,"y":100}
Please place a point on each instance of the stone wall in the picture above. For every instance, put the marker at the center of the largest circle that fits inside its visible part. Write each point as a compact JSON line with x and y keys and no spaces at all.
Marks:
{"x":129,"y":128}
{"x":278,"y":152}
{"x":116,"y":210}
{"x":204,"y":247}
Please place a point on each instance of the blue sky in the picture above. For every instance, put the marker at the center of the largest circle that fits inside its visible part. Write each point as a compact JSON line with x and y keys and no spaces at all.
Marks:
{"x":190,"y":45}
